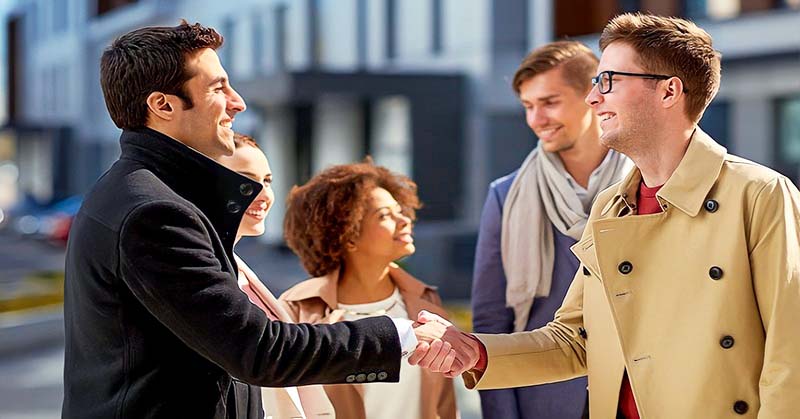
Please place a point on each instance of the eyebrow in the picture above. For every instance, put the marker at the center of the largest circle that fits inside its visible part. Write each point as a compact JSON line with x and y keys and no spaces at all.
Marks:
{"x":220,"y":79}
{"x":389,"y":207}
{"x":541,"y":99}
{"x":553,"y":96}
{"x":253,"y":175}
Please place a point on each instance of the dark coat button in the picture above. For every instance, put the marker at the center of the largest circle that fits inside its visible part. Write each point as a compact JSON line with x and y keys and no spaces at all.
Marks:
{"x":246,"y":189}
{"x":361,"y":378}
{"x":585,"y":271}
{"x":233,"y":207}
{"x":382,"y":375}
{"x":371,"y":376}
{"x":715,"y":272}
{"x":711,"y":205}
{"x":726,"y":342}
{"x":582,"y":332}
{"x":625,"y":267}
{"x":350,"y":378}
{"x":741,"y":407}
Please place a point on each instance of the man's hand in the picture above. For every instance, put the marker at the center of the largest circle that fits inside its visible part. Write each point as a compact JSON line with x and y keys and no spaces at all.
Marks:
{"x":465,"y":348}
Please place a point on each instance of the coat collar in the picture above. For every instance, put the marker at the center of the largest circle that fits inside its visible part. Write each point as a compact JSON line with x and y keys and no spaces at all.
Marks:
{"x":688,"y":186}
{"x":326,"y":287}
{"x":221,"y":194}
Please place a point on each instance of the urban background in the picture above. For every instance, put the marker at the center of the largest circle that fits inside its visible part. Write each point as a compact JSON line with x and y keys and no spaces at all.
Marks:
{"x":420,"y":85}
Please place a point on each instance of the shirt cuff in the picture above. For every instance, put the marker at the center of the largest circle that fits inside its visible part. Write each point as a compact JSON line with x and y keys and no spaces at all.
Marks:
{"x":408,"y":340}
{"x":483,"y":358}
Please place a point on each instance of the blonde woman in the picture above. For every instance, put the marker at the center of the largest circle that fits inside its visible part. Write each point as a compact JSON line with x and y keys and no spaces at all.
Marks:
{"x":278,"y":403}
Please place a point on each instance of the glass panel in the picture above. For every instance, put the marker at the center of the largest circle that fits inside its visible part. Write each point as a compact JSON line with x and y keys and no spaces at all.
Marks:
{"x":715,"y":122}
{"x":789,"y":130}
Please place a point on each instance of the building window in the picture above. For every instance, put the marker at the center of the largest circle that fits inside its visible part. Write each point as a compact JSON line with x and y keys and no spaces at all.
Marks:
{"x":60,"y":16}
{"x":105,"y":6}
{"x":715,"y":122}
{"x":258,"y":43}
{"x":436,"y":26}
{"x":362,"y":33}
{"x":713,"y":9}
{"x":788,"y":147}
{"x":226,"y":52}
{"x":391,"y":28}
{"x":582,"y":17}
{"x":279,"y":13}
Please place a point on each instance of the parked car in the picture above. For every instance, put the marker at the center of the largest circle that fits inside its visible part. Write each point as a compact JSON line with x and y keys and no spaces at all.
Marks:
{"x":46,"y":222}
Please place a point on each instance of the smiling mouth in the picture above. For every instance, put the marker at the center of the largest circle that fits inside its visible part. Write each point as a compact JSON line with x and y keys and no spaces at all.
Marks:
{"x":605,"y":116}
{"x":227,"y":124}
{"x":405,"y":238}
{"x":257,"y":213}
{"x":547,"y":133}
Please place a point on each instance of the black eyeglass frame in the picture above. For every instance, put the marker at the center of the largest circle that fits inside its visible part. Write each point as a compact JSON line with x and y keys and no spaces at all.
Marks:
{"x":612,"y":73}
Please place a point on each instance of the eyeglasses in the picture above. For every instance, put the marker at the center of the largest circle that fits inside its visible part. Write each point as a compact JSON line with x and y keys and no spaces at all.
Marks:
{"x":605,"y":78}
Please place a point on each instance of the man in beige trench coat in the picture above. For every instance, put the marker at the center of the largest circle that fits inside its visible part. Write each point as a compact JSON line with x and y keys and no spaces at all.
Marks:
{"x":687,"y":303}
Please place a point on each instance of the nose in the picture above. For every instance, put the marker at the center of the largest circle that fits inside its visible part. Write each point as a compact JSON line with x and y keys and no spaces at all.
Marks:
{"x":536,"y":117}
{"x":594,"y":97}
{"x":267,"y":195}
{"x":403,"y":219}
{"x":235,"y":102}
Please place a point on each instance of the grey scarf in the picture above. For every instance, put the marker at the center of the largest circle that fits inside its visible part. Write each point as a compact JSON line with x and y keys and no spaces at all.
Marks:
{"x":541,"y":195}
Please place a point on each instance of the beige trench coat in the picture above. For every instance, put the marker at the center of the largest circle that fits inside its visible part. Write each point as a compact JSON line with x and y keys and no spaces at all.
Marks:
{"x":701,"y":303}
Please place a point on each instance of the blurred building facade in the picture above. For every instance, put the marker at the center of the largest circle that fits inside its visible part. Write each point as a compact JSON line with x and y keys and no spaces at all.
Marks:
{"x":421,"y":85}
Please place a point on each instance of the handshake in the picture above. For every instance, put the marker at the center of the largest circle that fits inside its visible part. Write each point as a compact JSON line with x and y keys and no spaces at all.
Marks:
{"x":443,"y":348}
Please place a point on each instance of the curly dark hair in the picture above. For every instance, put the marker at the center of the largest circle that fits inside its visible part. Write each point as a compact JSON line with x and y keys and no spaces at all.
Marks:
{"x":149,"y":60}
{"x":325,"y":214}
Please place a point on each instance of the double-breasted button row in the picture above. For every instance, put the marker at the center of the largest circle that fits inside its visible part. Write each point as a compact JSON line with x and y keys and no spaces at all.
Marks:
{"x":711,"y":205}
{"x":715,"y":273}
{"x":246,"y":189}
{"x":741,"y":407}
{"x":727,"y":342}
{"x":625,"y":267}
{"x":362,"y":377}
{"x":233,"y":207}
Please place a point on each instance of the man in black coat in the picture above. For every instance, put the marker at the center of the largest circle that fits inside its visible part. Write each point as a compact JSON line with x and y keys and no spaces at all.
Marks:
{"x":156,"y":325}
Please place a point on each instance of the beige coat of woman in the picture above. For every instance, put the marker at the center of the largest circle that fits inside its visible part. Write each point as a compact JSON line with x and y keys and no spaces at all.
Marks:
{"x":277,"y":402}
{"x":700,"y":303}
{"x":315,"y":301}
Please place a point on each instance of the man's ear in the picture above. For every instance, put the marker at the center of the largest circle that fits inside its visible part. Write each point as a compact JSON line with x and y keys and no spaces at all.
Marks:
{"x":672,"y":92}
{"x":161,"y":105}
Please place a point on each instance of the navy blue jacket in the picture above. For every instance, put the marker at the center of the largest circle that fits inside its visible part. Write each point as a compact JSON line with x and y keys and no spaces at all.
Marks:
{"x":490,"y":315}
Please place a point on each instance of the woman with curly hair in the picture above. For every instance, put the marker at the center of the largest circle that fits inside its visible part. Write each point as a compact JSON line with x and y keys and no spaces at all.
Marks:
{"x":348,"y":225}
{"x":278,"y":403}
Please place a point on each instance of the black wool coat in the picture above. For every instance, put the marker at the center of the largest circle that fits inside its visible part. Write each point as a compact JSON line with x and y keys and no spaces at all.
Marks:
{"x":156,"y":325}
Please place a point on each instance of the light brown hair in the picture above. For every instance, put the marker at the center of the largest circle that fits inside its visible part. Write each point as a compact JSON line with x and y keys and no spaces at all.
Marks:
{"x":673,"y":47}
{"x":325,"y":214}
{"x":577,"y":62}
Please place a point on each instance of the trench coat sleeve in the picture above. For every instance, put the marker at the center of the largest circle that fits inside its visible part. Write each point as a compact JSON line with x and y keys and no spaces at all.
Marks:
{"x":489,"y":311}
{"x":555,"y":352}
{"x":168,"y":263}
{"x":775,"y":263}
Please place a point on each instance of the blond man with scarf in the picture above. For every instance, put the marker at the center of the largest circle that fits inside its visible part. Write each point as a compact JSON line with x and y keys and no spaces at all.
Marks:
{"x":523,"y":265}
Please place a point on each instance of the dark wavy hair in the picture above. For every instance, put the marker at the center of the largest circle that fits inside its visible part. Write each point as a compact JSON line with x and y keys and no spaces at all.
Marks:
{"x":150,"y":60}
{"x":325,"y":214}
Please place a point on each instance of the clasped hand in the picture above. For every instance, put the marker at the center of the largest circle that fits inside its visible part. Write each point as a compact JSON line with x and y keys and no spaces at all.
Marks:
{"x":442,"y":347}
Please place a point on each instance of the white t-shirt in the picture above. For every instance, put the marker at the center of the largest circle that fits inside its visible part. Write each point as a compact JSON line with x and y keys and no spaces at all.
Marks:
{"x":389,"y":400}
